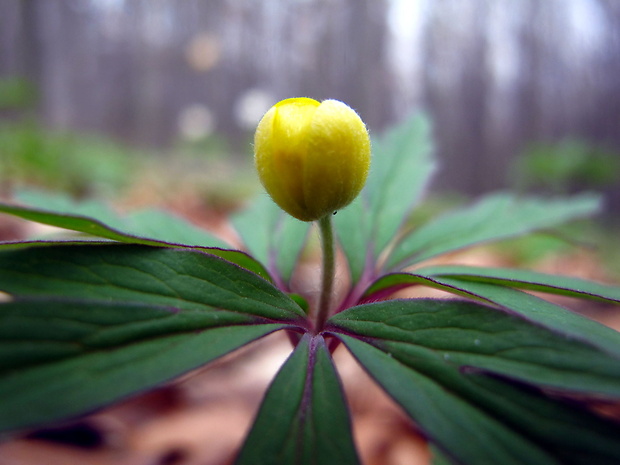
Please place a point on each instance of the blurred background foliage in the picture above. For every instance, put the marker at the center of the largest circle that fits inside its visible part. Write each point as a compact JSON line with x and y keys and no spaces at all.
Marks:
{"x":154,"y":102}
{"x":565,"y":166}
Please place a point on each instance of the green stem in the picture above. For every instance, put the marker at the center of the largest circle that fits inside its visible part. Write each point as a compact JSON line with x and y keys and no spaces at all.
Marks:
{"x":329,"y":268}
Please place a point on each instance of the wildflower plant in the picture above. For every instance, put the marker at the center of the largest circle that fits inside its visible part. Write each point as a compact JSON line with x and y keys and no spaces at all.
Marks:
{"x":495,"y":375}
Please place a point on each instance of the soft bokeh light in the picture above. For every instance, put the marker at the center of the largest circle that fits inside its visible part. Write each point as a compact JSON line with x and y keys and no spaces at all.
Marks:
{"x":196,"y":122}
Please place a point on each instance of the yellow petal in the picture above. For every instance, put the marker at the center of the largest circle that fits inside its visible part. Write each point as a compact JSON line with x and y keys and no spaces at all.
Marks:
{"x":312,"y":158}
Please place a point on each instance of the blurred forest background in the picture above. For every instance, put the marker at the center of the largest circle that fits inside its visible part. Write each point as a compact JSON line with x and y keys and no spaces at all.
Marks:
{"x":522,"y":93}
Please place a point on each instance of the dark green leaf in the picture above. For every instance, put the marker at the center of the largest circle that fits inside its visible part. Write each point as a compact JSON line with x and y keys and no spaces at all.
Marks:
{"x":179,"y":278}
{"x":14,"y":245}
{"x":387,"y":284}
{"x":238,"y":258}
{"x":529,"y":306}
{"x":493,"y":218}
{"x":271,"y":236}
{"x":234,"y":256}
{"x":303,"y":418}
{"x":470,"y":335}
{"x":438,"y":457}
{"x":61,"y":358}
{"x":89,"y":324}
{"x":301,"y":301}
{"x":477,"y":419}
{"x":539,"y":311}
{"x":530,"y":280}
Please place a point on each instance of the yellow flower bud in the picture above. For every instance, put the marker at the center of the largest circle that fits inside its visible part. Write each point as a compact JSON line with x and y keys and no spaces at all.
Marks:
{"x":312,"y":158}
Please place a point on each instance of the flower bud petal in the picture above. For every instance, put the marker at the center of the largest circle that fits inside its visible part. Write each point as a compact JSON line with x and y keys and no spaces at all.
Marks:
{"x":312,"y":158}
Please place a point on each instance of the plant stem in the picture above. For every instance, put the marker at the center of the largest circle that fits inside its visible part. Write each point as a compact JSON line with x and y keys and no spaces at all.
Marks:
{"x":329,"y":267}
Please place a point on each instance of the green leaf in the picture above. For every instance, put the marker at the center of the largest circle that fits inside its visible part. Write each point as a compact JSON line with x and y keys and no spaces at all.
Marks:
{"x":64,"y":204}
{"x":238,"y":258}
{"x":450,"y":421}
{"x":493,"y":218}
{"x":401,"y":167}
{"x":234,"y":256}
{"x":72,"y":222}
{"x":95,"y":218}
{"x":438,"y":457}
{"x":168,"y":225}
{"x":475,"y":419}
{"x":534,"y":309}
{"x":529,"y":280}
{"x":303,"y":418}
{"x":255,"y":226}
{"x":425,"y":355}
{"x":288,"y":239}
{"x":541,"y":312}
{"x":301,"y":301}
{"x":179,"y":278}
{"x":61,"y":358}
{"x":352,"y":225}
{"x":388,"y":284}
{"x":89,"y":324}
{"x":272,"y":236}
{"x":471,"y":335}
{"x":14,"y":245}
